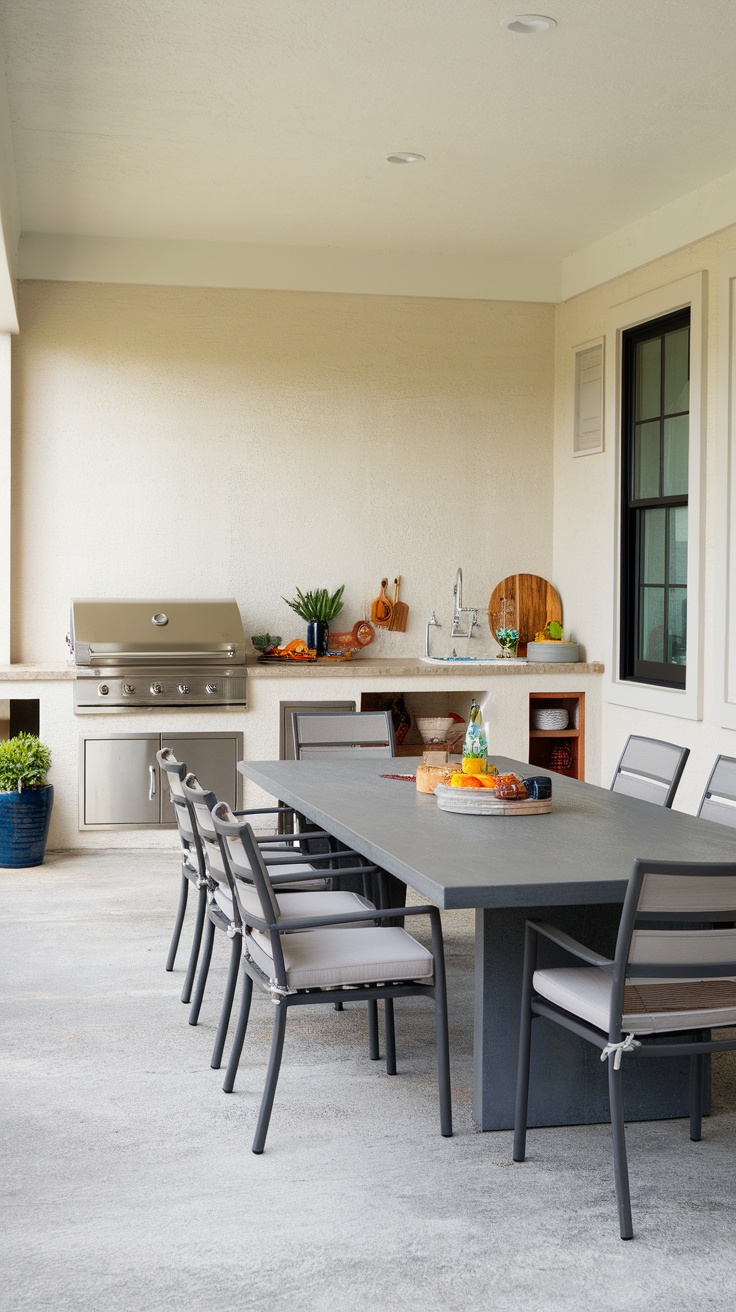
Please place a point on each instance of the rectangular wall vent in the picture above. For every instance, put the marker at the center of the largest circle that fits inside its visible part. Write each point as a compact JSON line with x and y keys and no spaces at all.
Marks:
{"x":588,"y":433}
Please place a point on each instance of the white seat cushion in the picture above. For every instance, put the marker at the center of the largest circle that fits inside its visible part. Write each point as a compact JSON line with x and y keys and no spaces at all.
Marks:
{"x":586,"y":992}
{"x":328,"y":958}
{"x":317,"y":902}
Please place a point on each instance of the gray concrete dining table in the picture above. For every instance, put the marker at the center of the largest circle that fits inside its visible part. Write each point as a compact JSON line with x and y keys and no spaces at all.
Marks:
{"x":570,"y":867}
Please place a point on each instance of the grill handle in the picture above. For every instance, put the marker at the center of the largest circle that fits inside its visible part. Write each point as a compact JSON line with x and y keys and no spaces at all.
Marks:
{"x":166,"y":652}
{"x":151,"y":782}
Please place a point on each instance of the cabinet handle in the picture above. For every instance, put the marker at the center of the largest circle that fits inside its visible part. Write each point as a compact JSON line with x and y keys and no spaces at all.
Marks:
{"x":152,"y":782}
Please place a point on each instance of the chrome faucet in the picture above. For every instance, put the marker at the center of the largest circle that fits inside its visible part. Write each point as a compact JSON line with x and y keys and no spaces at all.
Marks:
{"x":431,"y":624}
{"x":462,"y":628}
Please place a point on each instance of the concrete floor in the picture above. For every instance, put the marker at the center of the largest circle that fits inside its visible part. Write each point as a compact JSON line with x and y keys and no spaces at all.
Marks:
{"x":129,"y":1184}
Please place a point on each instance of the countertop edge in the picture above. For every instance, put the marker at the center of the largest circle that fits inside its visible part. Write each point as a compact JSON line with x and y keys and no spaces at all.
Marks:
{"x":370,"y":668}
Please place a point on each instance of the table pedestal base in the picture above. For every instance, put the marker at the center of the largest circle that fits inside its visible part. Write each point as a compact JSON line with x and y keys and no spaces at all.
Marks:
{"x":568,"y":1084}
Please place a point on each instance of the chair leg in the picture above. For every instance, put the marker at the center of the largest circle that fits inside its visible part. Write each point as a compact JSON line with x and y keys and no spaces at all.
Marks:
{"x":188,"y":985}
{"x":241,"y":1027}
{"x":525,"y":1044}
{"x":443,"y":1045}
{"x":696,"y":1097}
{"x":227,"y":1003}
{"x":174,"y":945}
{"x":620,"y":1166}
{"x":388,"y":1020}
{"x":274,"y":1066}
{"x":339,"y":1006}
{"x":204,"y":970}
{"x":373,"y":1051}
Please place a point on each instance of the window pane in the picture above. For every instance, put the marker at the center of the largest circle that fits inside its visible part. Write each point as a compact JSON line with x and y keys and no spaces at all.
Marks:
{"x":648,"y":378}
{"x":653,"y":528}
{"x":677,"y":624}
{"x":651,"y":629}
{"x":647,"y":460}
{"x":676,"y":371}
{"x":678,"y":544}
{"x":676,"y":434}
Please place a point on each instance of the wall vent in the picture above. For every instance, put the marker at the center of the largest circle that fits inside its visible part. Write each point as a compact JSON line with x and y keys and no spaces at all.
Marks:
{"x":588,"y":432}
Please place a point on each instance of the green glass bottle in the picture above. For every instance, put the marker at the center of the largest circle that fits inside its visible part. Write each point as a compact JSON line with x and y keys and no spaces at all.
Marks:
{"x":475,"y":747}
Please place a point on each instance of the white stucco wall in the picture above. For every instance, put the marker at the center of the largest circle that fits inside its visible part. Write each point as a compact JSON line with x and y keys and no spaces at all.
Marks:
{"x":194,"y":441}
{"x":585,"y":519}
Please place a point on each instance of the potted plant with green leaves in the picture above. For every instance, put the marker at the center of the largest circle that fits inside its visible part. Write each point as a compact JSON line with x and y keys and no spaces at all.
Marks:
{"x":317,"y":608}
{"x":25,"y":800}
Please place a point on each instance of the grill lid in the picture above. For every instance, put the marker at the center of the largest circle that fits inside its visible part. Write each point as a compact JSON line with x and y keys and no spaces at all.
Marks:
{"x":158,"y":631}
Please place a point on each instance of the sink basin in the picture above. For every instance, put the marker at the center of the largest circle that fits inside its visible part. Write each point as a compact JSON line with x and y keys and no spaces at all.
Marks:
{"x":474,"y":660}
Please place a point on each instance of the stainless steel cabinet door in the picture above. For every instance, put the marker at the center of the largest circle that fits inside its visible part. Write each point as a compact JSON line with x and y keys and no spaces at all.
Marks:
{"x":214,"y":761}
{"x":121,"y":780}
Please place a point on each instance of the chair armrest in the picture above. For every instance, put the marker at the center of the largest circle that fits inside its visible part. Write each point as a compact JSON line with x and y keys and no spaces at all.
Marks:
{"x":355,"y":917}
{"x":303,"y":877}
{"x":316,"y":856}
{"x":569,"y":944}
{"x":266,"y":810}
{"x":293,"y":838}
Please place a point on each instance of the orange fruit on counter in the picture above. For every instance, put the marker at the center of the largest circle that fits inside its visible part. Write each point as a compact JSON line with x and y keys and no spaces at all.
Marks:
{"x":486,"y":780}
{"x":465,"y":781}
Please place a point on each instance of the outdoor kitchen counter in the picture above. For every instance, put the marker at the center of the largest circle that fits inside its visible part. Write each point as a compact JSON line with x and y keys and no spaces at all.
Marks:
{"x":35,"y":673}
{"x":370,"y":667}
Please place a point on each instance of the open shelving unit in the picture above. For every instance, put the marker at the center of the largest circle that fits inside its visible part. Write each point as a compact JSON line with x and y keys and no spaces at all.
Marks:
{"x":561,"y":750}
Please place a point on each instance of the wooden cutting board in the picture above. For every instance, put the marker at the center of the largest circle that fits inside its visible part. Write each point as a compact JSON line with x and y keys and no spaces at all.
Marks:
{"x":535,"y":602}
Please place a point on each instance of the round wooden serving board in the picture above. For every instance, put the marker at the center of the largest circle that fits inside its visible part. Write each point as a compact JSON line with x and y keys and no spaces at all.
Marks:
{"x":477,"y":802}
{"x":535,"y":602}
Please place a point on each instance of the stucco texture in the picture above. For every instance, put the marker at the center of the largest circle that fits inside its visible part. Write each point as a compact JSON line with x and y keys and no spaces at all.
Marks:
{"x":197,"y":442}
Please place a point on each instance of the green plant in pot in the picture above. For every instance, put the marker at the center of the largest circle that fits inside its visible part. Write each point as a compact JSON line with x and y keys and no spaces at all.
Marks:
{"x":25,"y":800}
{"x":317,"y":608}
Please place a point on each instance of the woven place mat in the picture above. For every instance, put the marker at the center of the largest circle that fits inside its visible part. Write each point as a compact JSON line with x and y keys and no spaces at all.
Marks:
{"x":692,"y":995}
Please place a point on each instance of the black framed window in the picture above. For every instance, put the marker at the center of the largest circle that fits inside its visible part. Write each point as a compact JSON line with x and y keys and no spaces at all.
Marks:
{"x":654,"y":531}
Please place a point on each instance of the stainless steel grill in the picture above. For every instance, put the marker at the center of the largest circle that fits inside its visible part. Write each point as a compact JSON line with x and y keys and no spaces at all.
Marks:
{"x":131,"y":654}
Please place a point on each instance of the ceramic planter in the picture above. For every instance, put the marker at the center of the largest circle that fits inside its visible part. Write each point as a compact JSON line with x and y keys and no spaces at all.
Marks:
{"x":24,"y":825}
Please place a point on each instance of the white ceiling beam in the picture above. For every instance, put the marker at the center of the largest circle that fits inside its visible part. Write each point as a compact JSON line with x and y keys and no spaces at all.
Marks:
{"x":9,"y":216}
{"x":288,"y":268}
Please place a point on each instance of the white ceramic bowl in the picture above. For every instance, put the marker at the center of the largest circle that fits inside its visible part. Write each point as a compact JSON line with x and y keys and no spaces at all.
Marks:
{"x":550,"y":717}
{"x":433,"y":728}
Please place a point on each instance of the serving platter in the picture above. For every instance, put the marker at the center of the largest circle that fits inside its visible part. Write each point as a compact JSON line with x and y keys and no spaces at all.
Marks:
{"x":474,"y":801}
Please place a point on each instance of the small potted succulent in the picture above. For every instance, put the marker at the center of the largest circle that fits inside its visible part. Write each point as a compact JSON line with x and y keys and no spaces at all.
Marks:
{"x":25,"y":800}
{"x":317,"y":608}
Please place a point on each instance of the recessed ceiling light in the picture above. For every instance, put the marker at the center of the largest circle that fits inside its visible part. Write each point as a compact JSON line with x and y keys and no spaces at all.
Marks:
{"x":529,"y":24}
{"x":405,"y":157}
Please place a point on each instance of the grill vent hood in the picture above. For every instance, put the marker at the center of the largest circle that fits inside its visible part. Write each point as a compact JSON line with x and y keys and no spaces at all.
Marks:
{"x":155,"y":631}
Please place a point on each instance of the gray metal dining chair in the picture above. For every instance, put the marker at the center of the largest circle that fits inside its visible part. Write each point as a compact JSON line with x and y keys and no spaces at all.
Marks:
{"x":672,"y":977}
{"x":295,"y":877}
{"x":342,"y":733}
{"x":719,"y":799}
{"x":650,"y":770}
{"x":316,"y":958}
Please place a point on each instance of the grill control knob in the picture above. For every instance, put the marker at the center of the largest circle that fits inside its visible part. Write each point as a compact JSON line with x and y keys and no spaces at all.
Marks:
{"x":211,"y":687}
{"x":128,"y":688}
{"x":156,"y":689}
{"x":184,"y":688}
{"x":103,"y":690}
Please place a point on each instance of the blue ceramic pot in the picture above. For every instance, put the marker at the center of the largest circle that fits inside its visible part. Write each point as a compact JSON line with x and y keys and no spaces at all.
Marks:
{"x":24,"y":825}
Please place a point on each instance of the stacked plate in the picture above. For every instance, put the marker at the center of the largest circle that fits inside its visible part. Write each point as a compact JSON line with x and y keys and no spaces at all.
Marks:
{"x":550,"y":717}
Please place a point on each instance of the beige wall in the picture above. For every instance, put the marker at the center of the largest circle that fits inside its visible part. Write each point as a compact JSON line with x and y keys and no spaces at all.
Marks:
{"x":191,"y":441}
{"x":585,"y":524}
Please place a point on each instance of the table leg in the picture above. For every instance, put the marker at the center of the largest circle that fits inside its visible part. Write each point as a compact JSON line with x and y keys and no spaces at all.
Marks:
{"x":568,"y":1081}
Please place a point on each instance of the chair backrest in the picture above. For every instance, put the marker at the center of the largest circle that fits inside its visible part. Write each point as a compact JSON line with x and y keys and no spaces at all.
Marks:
{"x":342,"y":733}
{"x":252,"y":888}
{"x":202,"y":803}
{"x":175,"y":772}
{"x":719,"y":799}
{"x":650,"y":770}
{"x":677,"y":928}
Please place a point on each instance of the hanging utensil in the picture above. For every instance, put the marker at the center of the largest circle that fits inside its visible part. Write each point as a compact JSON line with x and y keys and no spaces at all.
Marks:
{"x":382,"y":608}
{"x":399,"y":610}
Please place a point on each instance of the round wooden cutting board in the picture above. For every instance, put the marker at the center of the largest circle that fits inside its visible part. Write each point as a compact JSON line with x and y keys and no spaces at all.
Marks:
{"x":535,"y":602}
